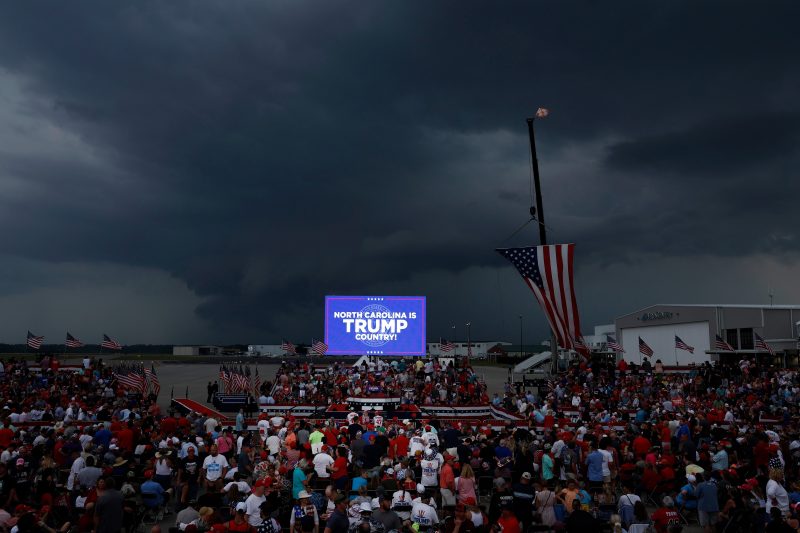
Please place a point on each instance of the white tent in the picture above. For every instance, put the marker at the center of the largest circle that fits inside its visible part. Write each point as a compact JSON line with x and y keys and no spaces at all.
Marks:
{"x":532,"y":362}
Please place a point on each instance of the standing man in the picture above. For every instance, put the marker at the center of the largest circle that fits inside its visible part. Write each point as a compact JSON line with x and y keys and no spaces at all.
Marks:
{"x":215,"y":466}
{"x":108,"y":511}
{"x":253,"y":504}
{"x":707,"y":504}
{"x":338,"y":521}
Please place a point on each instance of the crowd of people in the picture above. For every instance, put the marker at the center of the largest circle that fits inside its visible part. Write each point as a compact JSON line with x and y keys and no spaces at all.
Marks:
{"x":606,"y":447}
{"x":417,"y":382}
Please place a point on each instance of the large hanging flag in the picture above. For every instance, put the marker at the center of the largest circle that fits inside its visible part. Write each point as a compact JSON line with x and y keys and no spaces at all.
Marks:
{"x":34,"y":342}
{"x":680,"y":345}
{"x":288,"y":347}
{"x":761,"y":344}
{"x":612,"y":344}
{"x":723,"y":346}
{"x":446,"y":346}
{"x":109,"y":343}
{"x":644,"y":349}
{"x":152,"y":380}
{"x":225,"y":378}
{"x":319,"y":348}
{"x":72,"y":342}
{"x":548,"y":272}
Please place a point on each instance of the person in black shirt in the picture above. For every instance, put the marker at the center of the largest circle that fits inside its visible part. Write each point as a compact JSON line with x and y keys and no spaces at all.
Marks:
{"x":7,"y":493}
{"x":580,"y":521}
{"x":189,"y":471}
{"x":501,"y":496}
{"x":338,"y":521}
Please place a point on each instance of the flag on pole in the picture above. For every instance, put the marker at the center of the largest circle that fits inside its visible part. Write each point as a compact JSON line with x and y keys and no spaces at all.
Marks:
{"x":548,"y":272}
{"x":34,"y":342}
{"x":256,"y":384}
{"x":288,"y":347}
{"x":644,"y":349}
{"x":580,"y":344}
{"x":72,"y":342}
{"x":612,"y":344}
{"x":761,"y":344}
{"x":721,"y":345}
{"x":319,"y":348}
{"x":446,"y":346}
{"x":109,"y":343}
{"x":151,"y":378}
{"x":680,"y":345}
{"x":542,"y":112}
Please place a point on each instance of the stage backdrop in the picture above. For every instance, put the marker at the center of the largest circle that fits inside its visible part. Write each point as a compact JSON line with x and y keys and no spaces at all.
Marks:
{"x":375,"y":325}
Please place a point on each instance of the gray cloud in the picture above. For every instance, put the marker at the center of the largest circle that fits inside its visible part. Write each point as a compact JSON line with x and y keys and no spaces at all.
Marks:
{"x":265,"y":154}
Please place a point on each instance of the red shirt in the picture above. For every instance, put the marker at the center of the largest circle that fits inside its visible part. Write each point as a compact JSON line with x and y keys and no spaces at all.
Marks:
{"x":510,"y":524}
{"x":340,"y":464}
{"x":664,"y":517}
{"x":6,"y":436}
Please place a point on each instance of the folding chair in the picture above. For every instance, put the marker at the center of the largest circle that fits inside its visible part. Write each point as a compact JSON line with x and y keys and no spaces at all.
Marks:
{"x":153,"y":509}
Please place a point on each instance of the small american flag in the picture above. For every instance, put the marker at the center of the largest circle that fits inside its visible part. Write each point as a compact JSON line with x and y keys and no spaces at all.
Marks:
{"x":446,"y":346}
{"x":722,"y":345}
{"x":542,"y":112}
{"x":644,"y":349}
{"x":288,"y":347}
{"x":72,"y":342}
{"x":613,"y":344}
{"x":680,"y":345}
{"x":110,"y":344}
{"x":152,"y":380}
{"x":761,"y":344}
{"x":319,"y":348}
{"x":34,"y":342}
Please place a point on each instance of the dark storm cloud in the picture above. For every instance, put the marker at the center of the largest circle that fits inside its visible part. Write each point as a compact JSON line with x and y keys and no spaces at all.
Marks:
{"x":268,"y":153}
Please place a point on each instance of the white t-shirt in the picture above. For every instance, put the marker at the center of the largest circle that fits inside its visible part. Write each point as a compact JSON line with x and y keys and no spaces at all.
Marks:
{"x":243,"y":487}
{"x":775,"y":490}
{"x":274,"y":444}
{"x":263,"y":426}
{"x":253,"y":510}
{"x":321,"y":462}
{"x":430,"y":472}
{"x":213,"y":466}
{"x":608,"y":458}
{"x":211,"y":423}
{"x":423,"y":514}
{"x":416,"y":444}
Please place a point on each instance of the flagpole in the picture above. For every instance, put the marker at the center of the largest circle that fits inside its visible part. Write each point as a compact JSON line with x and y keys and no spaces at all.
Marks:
{"x":537,"y":213}
{"x":675,"y":347}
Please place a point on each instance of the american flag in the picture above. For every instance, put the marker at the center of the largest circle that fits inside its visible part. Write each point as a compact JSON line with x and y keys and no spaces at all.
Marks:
{"x":644,"y":349}
{"x":319,"y":348}
{"x":34,"y":341}
{"x":446,"y":346}
{"x":151,"y":380}
{"x":580,"y":343}
{"x":548,"y":272}
{"x":256,"y":384}
{"x":613,"y":344}
{"x":680,"y":345}
{"x":761,"y":344}
{"x":110,"y":344}
{"x":542,"y":112}
{"x":131,"y":377}
{"x":288,"y":347}
{"x":72,"y":342}
{"x":722,"y":345}
{"x":224,"y":377}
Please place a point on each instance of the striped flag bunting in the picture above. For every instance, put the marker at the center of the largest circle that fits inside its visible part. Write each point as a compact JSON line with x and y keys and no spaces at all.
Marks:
{"x":548,"y":272}
{"x":612,"y":344}
{"x":109,"y":343}
{"x":761,"y":344}
{"x":680,"y":345}
{"x":319,"y":348}
{"x":644,"y":349}
{"x":446,"y":346}
{"x":288,"y":347}
{"x":72,"y":342}
{"x":34,"y":341}
{"x":723,"y":346}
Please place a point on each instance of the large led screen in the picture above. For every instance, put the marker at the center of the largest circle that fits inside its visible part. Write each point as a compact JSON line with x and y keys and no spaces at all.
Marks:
{"x":375,"y":325}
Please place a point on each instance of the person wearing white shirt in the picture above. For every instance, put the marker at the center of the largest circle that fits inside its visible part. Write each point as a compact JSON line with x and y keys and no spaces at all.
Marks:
{"x":211,"y":423}
{"x":274,"y":444}
{"x":263,"y":428}
{"x":241,"y":486}
{"x":77,"y":465}
{"x":253,"y":504}
{"x":423,"y":514}
{"x":777,"y":495}
{"x":214,"y":467}
{"x":321,"y":463}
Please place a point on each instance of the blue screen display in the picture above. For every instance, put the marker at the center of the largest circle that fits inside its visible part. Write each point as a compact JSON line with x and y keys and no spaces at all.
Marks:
{"x":375,"y":325}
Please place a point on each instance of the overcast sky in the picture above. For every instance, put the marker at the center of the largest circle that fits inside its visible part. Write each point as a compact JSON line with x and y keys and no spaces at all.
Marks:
{"x":205,"y":171}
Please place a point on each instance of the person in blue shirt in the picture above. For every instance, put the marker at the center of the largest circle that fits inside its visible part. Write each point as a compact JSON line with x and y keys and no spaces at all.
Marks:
{"x":594,"y":463}
{"x":299,"y":477}
{"x":687,"y":497}
{"x":240,"y":420}
{"x":153,"y":488}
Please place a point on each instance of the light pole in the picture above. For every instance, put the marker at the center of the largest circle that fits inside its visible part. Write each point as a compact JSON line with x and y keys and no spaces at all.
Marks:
{"x":469,"y":342}
{"x":520,"y":336}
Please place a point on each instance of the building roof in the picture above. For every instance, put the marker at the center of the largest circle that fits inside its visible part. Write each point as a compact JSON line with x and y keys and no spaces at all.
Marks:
{"x":726,"y":306}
